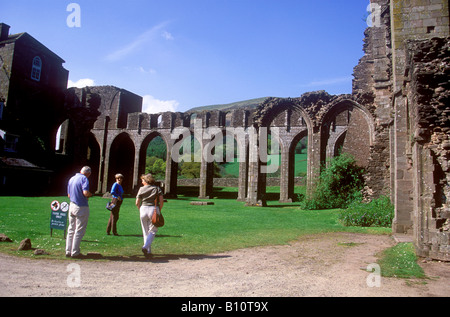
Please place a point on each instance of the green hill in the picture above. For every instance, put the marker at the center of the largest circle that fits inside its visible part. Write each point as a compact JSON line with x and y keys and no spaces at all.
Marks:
{"x":246,"y":104}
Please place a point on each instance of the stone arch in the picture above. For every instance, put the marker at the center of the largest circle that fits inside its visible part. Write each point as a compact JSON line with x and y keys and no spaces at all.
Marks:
{"x":143,"y":149}
{"x":293,"y":144}
{"x":291,"y":122}
{"x":350,"y":124}
{"x":64,"y":133}
{"x":339,"y":143}
{"x":119,"y":163}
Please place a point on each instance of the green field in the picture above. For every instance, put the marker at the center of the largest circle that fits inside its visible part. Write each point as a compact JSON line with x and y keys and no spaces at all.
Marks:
{"x":232,"y":169}
{"x":189,"y":230}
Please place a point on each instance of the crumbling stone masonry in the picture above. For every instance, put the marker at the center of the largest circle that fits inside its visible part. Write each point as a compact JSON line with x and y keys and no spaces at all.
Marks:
{"x":421,"y":107}
{"x":427,"y":92}
{"x":405,"y":67}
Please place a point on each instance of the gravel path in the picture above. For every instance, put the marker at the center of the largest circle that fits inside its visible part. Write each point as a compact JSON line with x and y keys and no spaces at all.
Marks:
{"x":320,"y":265}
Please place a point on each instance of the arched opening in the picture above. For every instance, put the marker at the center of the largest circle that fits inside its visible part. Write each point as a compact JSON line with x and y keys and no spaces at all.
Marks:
{"x":228,"y":119}
{"x":287,"y":167}
{"x":190,"y":155}
{"x":159,"y":121}
{"x":192,"y":120}
{"x":121,"y":160}
{"x":65,"y":138}
{"x":93,"y":160}
{"x":298,"y":165}
{"x":347,"y":129}
{"x":153,"y":157}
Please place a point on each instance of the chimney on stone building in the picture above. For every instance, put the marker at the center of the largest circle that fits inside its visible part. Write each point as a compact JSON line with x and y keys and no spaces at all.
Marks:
{"x":4,"y":31}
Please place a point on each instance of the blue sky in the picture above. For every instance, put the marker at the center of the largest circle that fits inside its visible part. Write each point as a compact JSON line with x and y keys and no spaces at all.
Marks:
{"x":180,"y":54}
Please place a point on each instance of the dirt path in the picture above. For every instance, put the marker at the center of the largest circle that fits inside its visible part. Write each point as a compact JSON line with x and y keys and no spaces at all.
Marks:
{"x":326,"y":265}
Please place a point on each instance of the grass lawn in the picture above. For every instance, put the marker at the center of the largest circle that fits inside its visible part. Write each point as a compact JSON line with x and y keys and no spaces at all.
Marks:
{"x":226,"y":225}
{"x":400,"y":261}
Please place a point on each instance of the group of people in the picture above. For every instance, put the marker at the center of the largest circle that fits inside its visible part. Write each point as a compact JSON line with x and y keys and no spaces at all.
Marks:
{"x":149,"y":199}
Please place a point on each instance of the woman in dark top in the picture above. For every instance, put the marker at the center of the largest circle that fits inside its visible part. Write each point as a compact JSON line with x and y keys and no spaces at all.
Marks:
{"x":117,"y":199}
{"x":147,"y":200}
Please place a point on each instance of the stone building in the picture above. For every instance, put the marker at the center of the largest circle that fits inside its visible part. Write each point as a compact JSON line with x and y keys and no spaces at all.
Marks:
{"x":32,"y":91}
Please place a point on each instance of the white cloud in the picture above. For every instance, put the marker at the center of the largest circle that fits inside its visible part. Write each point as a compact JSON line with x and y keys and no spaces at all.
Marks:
{"x":168,"y":36}
{"x":142,"y":70}
{"x":86,"y":82}
{"x":329,"y":82}
{"x":152,"y":105}
{"x":145,"y":37}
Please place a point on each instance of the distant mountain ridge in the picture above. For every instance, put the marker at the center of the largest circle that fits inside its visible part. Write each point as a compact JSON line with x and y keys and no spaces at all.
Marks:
{"x":245,"y":104}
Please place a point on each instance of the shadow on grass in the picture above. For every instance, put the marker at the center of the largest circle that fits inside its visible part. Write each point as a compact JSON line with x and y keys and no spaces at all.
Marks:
{"x":155,"y":258}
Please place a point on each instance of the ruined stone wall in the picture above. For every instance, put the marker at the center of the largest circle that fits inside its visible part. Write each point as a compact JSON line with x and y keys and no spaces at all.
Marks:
{"x":373,"y":85}
{"x":415,"y":20}
{"x":359,"y":137}
{"x":404,"y":69}
{"x":417,"y":185}
{"x":115,"y":106}
{"x":428,"y":93}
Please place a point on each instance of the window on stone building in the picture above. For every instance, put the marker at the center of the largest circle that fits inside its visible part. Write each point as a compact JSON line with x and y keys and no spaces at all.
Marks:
{"x":193,"y":118}
{"x":36,"y":69}
{"x":228,"y":118}
{"x":9,"y":141}
{"x":1,"y":109}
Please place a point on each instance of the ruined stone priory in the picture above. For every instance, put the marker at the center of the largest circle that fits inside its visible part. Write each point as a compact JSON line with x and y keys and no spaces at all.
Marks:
{"x":396,"y":123}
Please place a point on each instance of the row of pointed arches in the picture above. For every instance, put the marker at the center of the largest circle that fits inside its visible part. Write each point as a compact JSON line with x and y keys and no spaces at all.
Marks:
{"x":344,"y":126}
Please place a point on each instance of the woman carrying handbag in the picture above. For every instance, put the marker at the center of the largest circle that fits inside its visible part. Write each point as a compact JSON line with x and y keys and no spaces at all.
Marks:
{"x":149,"y":200}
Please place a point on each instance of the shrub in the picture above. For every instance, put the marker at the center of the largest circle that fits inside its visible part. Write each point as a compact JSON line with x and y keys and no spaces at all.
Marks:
{"x":337,"y":185}
{"x":377,"y":213}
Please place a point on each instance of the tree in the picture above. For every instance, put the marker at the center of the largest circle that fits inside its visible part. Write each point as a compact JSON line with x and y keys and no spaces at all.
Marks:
{"x":192,"y":170}
{"x":155,"y":166}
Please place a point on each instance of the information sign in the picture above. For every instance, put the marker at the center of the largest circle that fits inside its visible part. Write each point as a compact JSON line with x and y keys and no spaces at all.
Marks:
{"x":58,"y":218}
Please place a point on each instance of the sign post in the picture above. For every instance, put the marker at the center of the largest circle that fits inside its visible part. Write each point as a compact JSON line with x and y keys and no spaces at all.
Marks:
{"x":58,"y":218}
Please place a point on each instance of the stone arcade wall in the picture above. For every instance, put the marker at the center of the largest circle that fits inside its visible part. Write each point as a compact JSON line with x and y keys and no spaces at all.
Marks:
{"x":373,"y":83}
{"x":328,"y":122}
{"x":395,"y":123}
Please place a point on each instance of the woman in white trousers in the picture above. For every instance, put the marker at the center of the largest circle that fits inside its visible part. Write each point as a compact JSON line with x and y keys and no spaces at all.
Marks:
{"x":148,"y":200}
